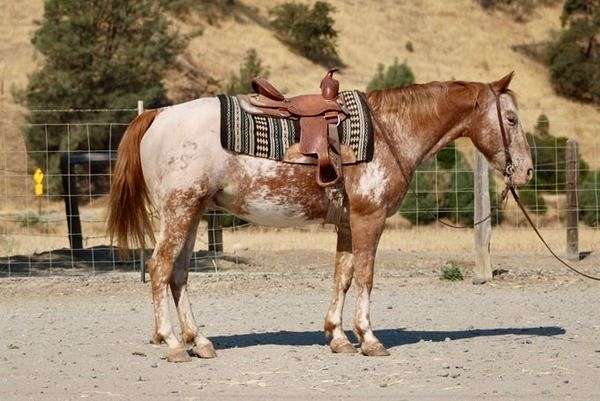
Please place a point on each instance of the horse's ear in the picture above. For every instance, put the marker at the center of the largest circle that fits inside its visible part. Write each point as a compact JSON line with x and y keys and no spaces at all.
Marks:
{"x":501,"y":85}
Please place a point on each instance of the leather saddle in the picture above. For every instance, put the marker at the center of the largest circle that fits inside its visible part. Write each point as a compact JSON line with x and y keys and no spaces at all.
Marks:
{"x":318,"y":115}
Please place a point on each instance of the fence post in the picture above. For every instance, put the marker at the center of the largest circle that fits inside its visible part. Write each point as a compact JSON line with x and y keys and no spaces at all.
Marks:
{"x":70,"y":196}
{"x":215,"y":232}
{"x":483,"y":231}
{"x":140,"y":110}
{"x":572,"y":217}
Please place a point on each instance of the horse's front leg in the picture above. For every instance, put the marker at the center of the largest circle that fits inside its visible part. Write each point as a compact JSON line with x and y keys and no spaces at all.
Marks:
{"x":342,"y":280}
{"x":366,"y":231}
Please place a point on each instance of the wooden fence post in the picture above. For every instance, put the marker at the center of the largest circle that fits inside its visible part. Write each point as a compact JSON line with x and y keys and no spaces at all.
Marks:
{"x":572,"y":214}
{"x":215,"y":232}
{"x":140,"y":110}
{"x":483,"y":231}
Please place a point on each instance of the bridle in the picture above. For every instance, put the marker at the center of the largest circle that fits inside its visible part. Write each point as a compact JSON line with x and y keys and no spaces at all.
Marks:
{"x":509,"y":168}
{"x":509,"y":171}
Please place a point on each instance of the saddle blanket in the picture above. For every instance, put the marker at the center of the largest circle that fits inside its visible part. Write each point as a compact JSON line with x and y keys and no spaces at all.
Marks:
{"x":270,"y":137}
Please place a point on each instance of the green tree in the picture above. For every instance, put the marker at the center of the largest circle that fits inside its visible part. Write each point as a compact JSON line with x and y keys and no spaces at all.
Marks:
{"x":574,"y":58}
{"x":211,"y":10}
{"x":589,"y":199}
{"x":308,"y":30}
{"x":542,"y":126}
{"x":104,"y":54}
{"x":422,"y":203}
{"x":521,"y":10}
{"x":250,"y":68}
{"x":396,"y":75}
{"x":548,"y":154}
{"x":531,"y":197}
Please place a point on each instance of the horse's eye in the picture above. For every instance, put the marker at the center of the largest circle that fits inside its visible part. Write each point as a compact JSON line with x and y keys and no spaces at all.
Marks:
{"x":512,"y":118}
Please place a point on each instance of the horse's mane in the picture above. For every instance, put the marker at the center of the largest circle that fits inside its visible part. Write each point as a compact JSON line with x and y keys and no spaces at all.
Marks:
{"x":420,"y":97}
{"x":424,"y":99}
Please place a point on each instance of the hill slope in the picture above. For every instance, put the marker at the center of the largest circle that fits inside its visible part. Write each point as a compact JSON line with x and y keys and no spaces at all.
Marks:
{"x":452,"y":40}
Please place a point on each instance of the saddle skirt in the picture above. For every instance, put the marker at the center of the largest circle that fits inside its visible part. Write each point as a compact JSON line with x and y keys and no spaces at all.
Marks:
{"x":245,"y":130}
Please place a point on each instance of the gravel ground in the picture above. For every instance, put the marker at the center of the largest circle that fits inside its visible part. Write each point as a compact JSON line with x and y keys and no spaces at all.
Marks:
{"x":534,"y":333}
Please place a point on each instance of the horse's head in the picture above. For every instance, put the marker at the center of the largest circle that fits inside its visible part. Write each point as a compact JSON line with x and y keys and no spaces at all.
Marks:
{"x":498,"y":133}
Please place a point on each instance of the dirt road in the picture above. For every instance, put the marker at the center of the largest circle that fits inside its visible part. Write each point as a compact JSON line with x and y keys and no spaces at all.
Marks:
{"x":529,"y":335}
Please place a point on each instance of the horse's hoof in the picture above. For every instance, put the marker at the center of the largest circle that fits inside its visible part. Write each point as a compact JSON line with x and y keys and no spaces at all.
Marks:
{"x":342,"y":347}
{"x":376,"y":349}
{"x":178,"y":355}
{"x":205,"y":351}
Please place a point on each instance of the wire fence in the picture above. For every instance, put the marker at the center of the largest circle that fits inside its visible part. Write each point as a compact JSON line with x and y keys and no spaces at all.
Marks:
{"x":77,"y":157}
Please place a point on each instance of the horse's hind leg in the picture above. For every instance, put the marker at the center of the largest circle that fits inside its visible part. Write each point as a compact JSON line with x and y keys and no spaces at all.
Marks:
{"x":342,"y":280}
{"x":179,"y":212}
{"x":203,"y":348}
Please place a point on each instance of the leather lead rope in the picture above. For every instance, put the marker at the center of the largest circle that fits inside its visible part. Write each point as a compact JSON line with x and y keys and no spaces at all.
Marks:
{"x":516,"y":198}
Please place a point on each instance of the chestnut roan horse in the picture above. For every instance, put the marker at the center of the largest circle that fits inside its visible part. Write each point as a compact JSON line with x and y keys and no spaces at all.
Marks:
{"x":172,"y":160}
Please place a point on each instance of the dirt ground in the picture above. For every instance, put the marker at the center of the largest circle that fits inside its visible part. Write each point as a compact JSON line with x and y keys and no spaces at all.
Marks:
{"x":533,"y":333}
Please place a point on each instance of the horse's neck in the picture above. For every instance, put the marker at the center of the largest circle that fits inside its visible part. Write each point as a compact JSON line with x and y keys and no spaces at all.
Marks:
{"x":417,"y":138}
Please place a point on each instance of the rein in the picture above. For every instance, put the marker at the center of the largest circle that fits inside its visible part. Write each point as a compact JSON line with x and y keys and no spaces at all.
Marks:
{"x":508,"y":173}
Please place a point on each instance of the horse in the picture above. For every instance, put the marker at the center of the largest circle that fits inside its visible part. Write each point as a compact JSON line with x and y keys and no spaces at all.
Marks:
{"x":171,"y":159}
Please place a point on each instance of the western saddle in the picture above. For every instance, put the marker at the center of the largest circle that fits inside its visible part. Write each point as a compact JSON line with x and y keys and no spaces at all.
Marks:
{"x":318,"y":115}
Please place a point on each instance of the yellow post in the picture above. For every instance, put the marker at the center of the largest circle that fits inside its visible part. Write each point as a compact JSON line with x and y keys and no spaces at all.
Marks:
{"x":38,"y":179}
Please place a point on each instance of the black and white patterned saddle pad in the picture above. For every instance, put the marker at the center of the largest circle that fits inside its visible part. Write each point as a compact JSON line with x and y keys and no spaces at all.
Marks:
{"x":270,"y":137}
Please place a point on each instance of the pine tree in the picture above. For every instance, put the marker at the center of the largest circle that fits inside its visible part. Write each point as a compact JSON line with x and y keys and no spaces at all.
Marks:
{"x":250,"y":68}
{"x":97,"y":55}
{"x":574,"y":58}
{"x":309,"y":30}
{"x":396,"y":75}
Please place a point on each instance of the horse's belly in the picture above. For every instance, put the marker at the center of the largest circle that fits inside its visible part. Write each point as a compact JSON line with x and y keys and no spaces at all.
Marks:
{"x":285,"y":196}
{"x":273,"y":213}
{"x":267,"y":208}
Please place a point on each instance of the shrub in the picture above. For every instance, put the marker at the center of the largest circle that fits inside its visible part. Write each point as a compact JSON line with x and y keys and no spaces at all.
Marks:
{"x":212,"y":10}
{"x":452,"y":271}
{"x":396,"y":75}
{"x":421,"y":203}
{"x":531,"y":198}
{"x":574,"y":57}
{"x":548,"y":153}
{"x":448,"y":170}
{"x":30,"y":219}
{"x":459,"y":199}
{"x":589,"y":199}
{"x":308,"y":30}
{"x":520,"y":9}
{"x":251,"y":67}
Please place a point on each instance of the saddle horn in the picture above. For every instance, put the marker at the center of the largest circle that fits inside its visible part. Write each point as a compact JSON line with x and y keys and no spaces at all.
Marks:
{"x":330,"y":87}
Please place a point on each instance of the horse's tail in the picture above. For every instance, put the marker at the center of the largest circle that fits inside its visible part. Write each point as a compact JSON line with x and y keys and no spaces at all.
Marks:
{"x":128,"y":219}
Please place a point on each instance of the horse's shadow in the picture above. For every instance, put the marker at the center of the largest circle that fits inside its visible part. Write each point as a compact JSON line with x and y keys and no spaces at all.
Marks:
{"x":389,"y":337}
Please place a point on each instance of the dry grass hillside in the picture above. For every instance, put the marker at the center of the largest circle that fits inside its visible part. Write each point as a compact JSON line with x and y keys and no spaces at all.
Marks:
{"x":452,"y":40}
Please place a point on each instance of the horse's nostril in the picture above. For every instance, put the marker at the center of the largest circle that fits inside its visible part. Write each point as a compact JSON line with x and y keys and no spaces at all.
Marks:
{"x":530,"y":173}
